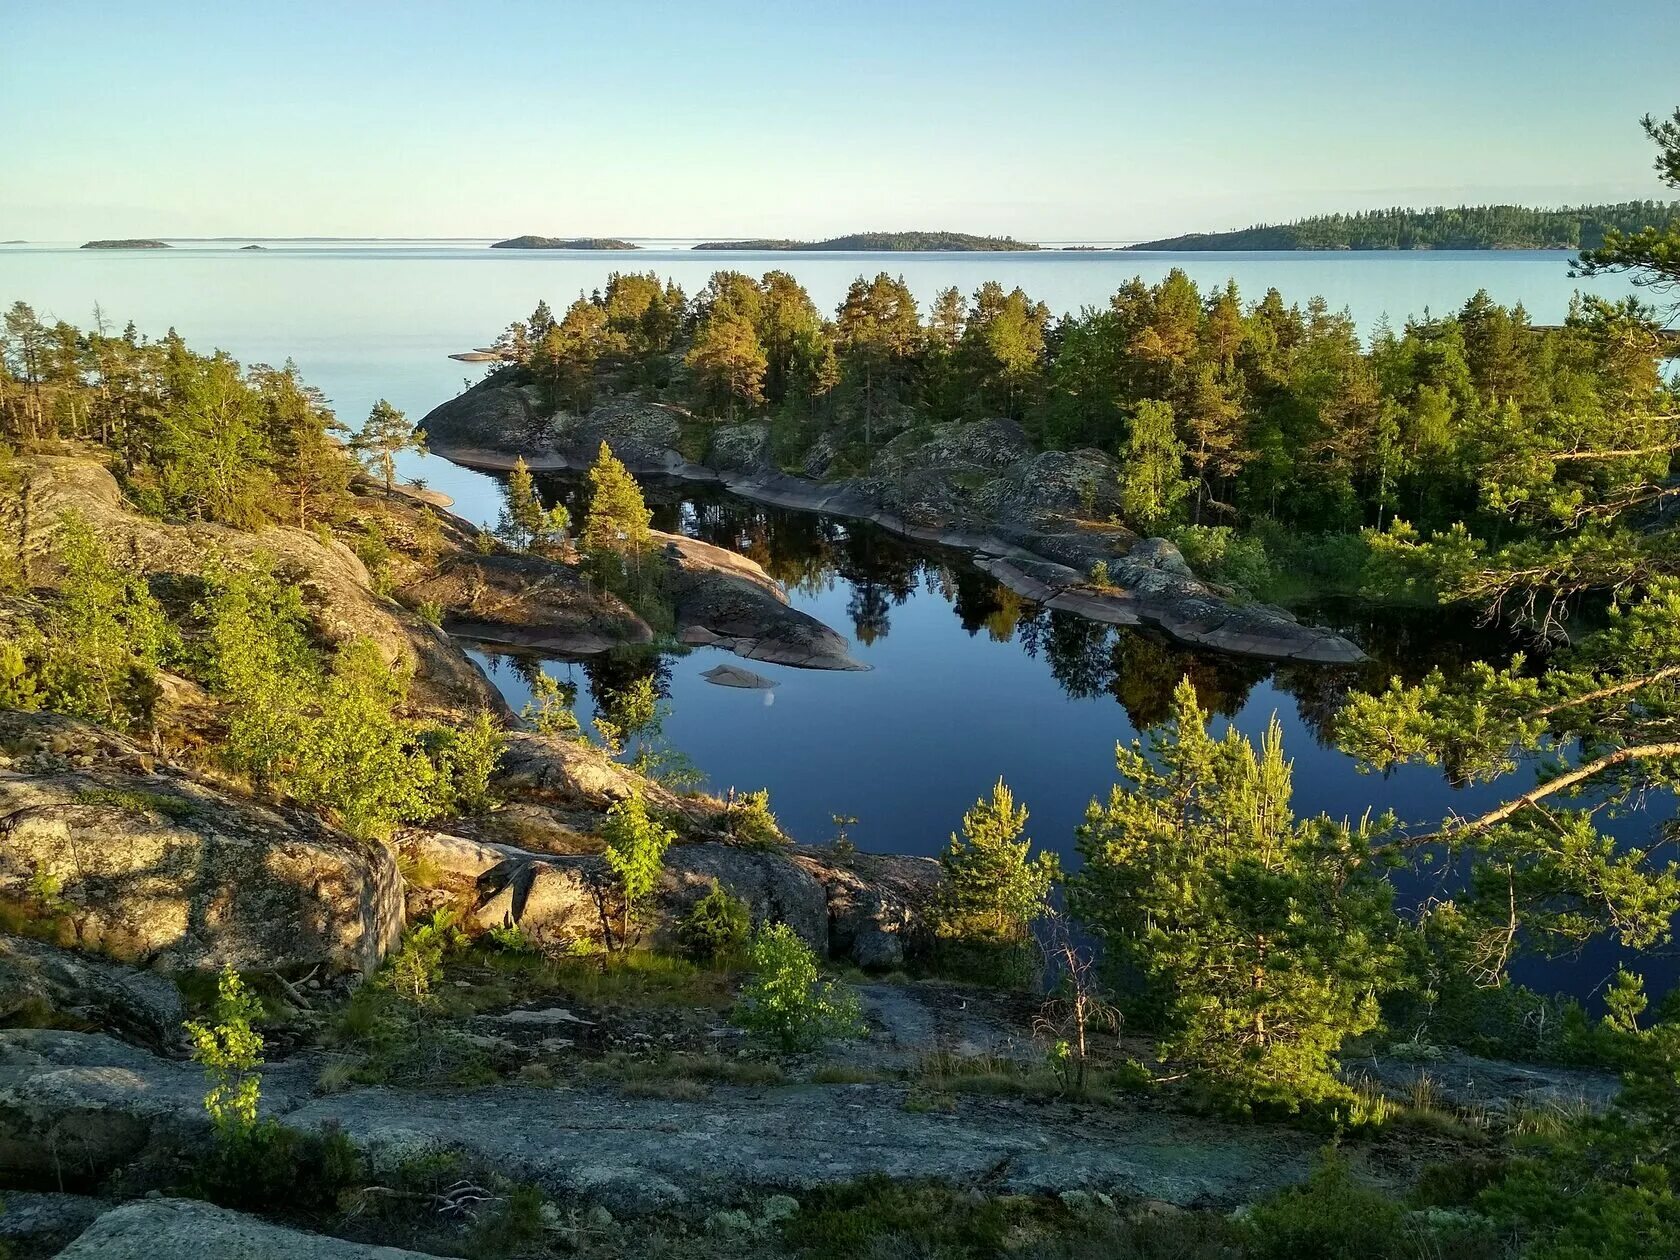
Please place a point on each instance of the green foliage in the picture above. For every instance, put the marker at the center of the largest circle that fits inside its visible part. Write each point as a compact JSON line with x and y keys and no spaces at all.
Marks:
{"x":524,"y":521}
{"x":618,"y":519}
{"x":1625,"y":1001}
{"x":101,"y":639}
{"x":230,"y":1051}
{"x":627,"y":712}
{"x":1331,"y":1217}
{"x":993,"y":889}
{"x":465,"y":760}
{"x":417,"y":964}
{"x":1439,"y":227}
{"x":634,"y":850}
{"x":549,"y":709}
{"x":1152,"y":481}
{"x":748,"y":820}
{"x":385,"y":434}
{"x":329,"y":734}
{"x":1224,"y":555}
{"x":786,"y":1000}
{"x":1609,"y":1187}
{"x":717,"y":927}
{"x":1262,"y":942}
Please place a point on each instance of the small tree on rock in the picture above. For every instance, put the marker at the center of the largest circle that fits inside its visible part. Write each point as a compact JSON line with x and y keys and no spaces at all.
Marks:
{"x":386,"y":435}
{"x":635,"y":853}
{"x":994,"y":888}
{"x":619,"y":520}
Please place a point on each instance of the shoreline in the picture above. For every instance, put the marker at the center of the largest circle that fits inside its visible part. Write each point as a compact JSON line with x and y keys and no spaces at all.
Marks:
{"x":1021,"y":570}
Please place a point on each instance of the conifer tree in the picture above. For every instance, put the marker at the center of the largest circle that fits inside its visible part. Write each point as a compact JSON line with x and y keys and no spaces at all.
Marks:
{"x":386,"y":435}
{"x":618,"y":519}
{"x":994,"y":887}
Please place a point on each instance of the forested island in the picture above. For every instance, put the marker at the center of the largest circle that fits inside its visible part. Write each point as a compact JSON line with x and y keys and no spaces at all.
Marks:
{"x":1440,"y":227}
{"x":555,"y":242}
{"x":884,"y":242}
{"x":296,"y":913}
{"x":137,"y":243}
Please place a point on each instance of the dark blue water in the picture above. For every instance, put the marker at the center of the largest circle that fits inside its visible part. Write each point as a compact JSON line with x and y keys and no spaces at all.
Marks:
{"x":968,"y":684}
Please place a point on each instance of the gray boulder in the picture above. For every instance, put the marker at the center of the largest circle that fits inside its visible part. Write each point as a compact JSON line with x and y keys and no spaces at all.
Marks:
{"x":46,"y":1219}
{"x":185,"y":1229}
{"x":164,"y":871}
{"x":555,"y":900}
{"x":39,"y":979}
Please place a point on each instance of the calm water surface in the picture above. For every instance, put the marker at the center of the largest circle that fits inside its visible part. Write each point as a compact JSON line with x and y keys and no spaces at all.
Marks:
{"x":966,"y":683}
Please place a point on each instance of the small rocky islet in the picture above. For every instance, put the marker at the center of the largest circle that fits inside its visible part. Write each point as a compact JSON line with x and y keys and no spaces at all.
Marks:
{"x":1041,"y":522}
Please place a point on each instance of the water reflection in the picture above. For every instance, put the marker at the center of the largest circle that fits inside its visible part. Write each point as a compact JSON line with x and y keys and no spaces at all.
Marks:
{"x":880,"y":573}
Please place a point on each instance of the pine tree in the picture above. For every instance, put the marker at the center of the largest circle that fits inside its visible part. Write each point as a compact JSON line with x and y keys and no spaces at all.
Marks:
{"x":729,"y":361}
{"x":386,"y":435}
{"x":1152,"y":481}
{"x":994,"y":889}
{"x":524,"y":521}
{"x":1262,"y":942}
{"x":618,"y":519}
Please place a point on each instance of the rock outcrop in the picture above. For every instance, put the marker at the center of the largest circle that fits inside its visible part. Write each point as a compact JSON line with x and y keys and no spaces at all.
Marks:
{"x":185,"y":1229}
{"x":525,"y":601}
{"x":872,"y":910}
{"x":1037,"y":521}
{"x":39,"y":981}
{"x":334,"y":583}
{"x":725,"y":600}
{"x":158,"y":868}
{"x":96,"y":1103}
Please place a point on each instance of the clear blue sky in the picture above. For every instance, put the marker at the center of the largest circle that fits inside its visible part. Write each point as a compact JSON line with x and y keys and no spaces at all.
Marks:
{"x":1050,"y":121}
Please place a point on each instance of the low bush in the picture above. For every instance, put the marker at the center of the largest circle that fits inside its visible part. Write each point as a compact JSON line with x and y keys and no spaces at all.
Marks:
{"x":787,"y":1002}
{"x":717,"y":927}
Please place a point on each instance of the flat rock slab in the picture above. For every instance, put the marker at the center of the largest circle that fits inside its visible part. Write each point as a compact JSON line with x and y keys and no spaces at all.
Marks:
{"x":184,"y":1229}
{"x":638,"y":1155}
{"x":735,"y":676}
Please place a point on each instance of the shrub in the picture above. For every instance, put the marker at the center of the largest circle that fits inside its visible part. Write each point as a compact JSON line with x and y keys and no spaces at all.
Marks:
{"x":466,"y":758}
{"x":230,"y":1051}
{"x":748,"y":819}
{"x":787,"y":1001}
{"x":993,"y":889}
{"x":635,"y":853}
{"x":550,"y":707}
{"x":418,"y":964}
{"x":718,"y":926}
{"x":1331,"y":1217}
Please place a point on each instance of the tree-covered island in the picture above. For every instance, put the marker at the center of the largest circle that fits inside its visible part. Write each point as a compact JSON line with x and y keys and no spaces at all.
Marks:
{"x":558,"y":242}
{"x":1438,"y":227}
{"x":882,"y":242}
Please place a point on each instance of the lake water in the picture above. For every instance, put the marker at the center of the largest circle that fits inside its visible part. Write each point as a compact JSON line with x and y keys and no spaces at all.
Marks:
{"x":966,"y":684}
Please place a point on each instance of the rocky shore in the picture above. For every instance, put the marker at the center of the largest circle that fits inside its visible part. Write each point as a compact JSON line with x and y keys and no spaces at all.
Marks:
{"x":1039,"y":522}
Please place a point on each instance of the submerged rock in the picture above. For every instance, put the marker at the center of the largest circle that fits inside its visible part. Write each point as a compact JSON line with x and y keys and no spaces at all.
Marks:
{"x":735,"y":676}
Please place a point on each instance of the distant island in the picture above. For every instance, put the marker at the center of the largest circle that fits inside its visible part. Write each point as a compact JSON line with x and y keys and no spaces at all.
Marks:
{"x":245,"y":247}
{"x":554,"y":242}
{"x":136,"y":244}
{"x":1440,"y":227}
{"x":882,"y":242}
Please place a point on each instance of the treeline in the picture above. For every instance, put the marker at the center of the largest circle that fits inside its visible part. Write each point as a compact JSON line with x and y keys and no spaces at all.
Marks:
{"x":1224,"y":412}
{"x":191,"y":436}
{"x":1439,"y":227}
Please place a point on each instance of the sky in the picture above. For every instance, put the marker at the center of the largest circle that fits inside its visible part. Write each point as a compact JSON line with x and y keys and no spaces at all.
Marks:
{"x":1053,"y":121}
